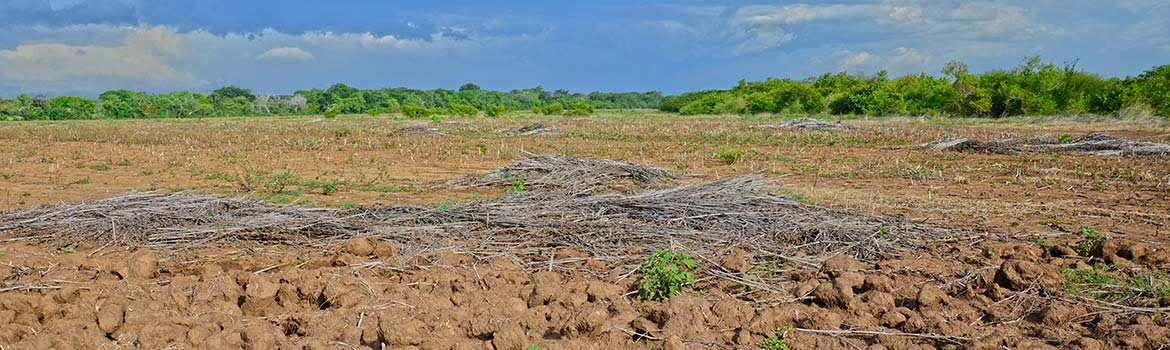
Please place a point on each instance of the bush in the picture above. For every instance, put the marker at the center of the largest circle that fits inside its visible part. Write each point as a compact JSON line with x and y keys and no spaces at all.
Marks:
{"x":704,"y":105}
{"x":665,"y":274}
{"x":494,"y":110}
{"x":332,"y":112}
{"x":729,"y":156}
{"x":551,"y":108}
{"x":731,"y":105}
{"x":462,"y":110}
{"x":415,"y":111}
{"x":578,"y":108}
{"x":1154,"y":87}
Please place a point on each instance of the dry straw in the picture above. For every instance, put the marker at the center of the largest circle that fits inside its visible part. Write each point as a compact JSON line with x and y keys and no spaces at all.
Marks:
{"x":703,"y":219}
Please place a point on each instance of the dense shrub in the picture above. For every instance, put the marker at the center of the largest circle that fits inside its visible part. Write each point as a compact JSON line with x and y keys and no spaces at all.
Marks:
{"x":495,"y":110}
{"x":462,"y":110}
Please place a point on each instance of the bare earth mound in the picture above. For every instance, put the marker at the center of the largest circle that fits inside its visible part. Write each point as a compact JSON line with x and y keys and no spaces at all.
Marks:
{"x":1092,"y":144}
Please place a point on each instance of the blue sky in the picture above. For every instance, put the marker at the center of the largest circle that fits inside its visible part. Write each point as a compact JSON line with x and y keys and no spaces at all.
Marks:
{"x":84,"y":47}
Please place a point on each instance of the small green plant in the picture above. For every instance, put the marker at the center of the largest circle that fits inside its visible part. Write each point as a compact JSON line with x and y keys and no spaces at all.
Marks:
{"x":124,"y":163}
{"x":332,"y":112}
{"x":882,"y":229}
{"x":729,"y":156}
{"x":1066,"y":139}
{"x":517,"y":185}
{"x":665,"y":274}
{"x":99,"y":167}
{"x":343,"y":132}
{"x":917,"y":173}
{"x":778,"y":340}
{"x":1090,"y":238}
{"x":326,"y":187}
{"x":533,"y":347}
{"x":69,"y":250}
{"x":82,"y":181}
{"x":445,"y":205}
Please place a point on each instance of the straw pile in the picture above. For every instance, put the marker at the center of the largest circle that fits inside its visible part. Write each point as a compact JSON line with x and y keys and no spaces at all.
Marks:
{"x":553,"y":171}
{"x":533,"y":129}
{"x":1092,"y":144}
{"x":805,"y":124}
{"x":699,"y":218}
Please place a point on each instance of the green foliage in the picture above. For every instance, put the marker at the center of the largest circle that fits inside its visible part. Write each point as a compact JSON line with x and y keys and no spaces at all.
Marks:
{"x":1090,"y":238}
{"x":517,"y":185}
{"x":665,"y":274}
{"x":415,"y":111}
{"x":332,"y":112}
{"x":1066,"y":138}
{"x":778,"y":341}
{"x":495,"y":110}
{"x":729,"y":156}
{"x":462,"y":110}
{"x":1101,"y":282}
{"x":1154,"y":88}
{"x":551,"y":109}
{"x":469,"y":87}
{"x":579,"y":108}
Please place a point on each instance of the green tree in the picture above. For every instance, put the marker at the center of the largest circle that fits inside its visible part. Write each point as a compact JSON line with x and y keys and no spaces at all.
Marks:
{"x":230,"y":92}
{"x":70,"y":107}
{"x":469,"y":87}
{"x":1154,"y":89}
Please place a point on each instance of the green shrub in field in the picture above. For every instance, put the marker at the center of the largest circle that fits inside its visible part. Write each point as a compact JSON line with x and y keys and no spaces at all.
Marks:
{"x":665,"y":274}
{"x":495,"y":110}
{"x":462,"y":110}
{"x":332,"y":112}
{"x":552,"y":108}
{"x":578,"y":108}
{"x":415,"y":111}
{"x":729,"y":156}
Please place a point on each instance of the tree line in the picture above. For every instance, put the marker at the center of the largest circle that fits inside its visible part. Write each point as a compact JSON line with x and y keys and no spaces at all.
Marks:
{"x":337,"y":99}
{"x":1032,"y":88}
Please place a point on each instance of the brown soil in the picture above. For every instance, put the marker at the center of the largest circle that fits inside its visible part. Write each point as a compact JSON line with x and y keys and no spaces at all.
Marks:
{"x":1000,"y":289}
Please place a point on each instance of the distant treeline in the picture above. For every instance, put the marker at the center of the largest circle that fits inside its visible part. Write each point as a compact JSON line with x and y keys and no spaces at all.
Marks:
{"x":337,"y":99}
{"x":1032,"y":88}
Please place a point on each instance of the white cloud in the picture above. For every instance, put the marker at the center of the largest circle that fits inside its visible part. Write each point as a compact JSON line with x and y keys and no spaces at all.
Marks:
{"x":286,"y":53}
{"x":89,"y":59}
{"x":855,"y":60}
{"x":144,"y":55}
{"x":901,"y":60}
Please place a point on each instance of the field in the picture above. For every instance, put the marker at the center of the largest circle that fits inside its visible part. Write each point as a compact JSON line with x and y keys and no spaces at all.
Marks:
{"x":1040,"y":250}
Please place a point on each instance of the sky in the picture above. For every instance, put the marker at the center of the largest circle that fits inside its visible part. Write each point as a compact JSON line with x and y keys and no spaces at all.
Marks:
{"x":85,"y":47}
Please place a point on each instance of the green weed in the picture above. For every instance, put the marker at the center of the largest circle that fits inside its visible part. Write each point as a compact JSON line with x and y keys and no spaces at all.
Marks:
{"x":665,"y":274}
{"x":778,"y":341}
{"x":729,"y":156}
{"x":1090,"y":238}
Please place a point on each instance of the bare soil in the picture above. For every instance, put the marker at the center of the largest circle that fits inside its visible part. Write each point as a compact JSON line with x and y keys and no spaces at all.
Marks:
{"x":1003,"y":287}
